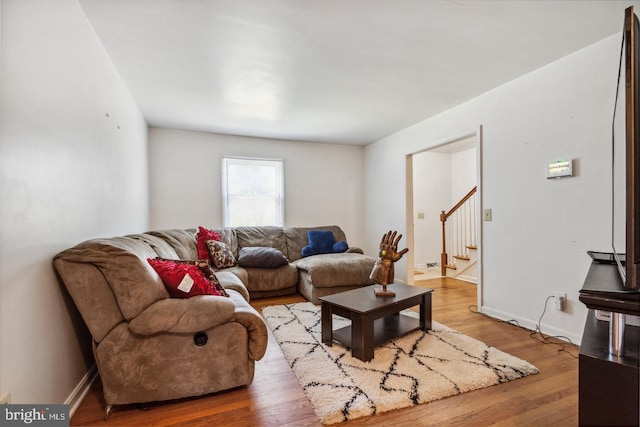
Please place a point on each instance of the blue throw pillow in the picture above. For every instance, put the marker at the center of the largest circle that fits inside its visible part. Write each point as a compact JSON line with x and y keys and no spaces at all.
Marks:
{"x":340,"y":247}
{"x":322,"y":242}
{"x":307,"y":251}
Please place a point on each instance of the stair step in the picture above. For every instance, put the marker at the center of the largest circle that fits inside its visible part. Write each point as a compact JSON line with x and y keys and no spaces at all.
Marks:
{"x":452,"y":267}
{"x":472,"y":247}
{"x":462,"y":257}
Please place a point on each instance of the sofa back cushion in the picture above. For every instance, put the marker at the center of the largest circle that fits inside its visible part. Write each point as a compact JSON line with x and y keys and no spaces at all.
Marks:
{"x":183,"y":242}
{"x":157,"y":244}
{"x":297,"y":238}
{"x":230,"y":238}
{"x":266,"y":236}
{"x":123,"y":263}
{"x":91,"y":294}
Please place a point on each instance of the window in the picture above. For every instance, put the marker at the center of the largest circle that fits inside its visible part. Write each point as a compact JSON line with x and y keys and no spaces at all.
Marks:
{"x":252,"y":192}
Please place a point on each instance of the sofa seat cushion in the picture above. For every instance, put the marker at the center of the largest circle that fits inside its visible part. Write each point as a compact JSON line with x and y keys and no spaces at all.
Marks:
{"x":271,"y":279}
{"x":343,"y":269}
{"x":229,"y":280}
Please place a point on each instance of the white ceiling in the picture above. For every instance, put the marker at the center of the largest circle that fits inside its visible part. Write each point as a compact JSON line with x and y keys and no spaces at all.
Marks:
{"x":341,"y":71}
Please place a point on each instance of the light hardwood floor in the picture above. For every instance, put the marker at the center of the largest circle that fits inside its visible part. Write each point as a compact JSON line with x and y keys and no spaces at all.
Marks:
{"x":549,"y":398}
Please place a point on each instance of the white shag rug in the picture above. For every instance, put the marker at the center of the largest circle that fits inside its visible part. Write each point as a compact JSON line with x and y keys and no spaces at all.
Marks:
{"x":417,"y":368}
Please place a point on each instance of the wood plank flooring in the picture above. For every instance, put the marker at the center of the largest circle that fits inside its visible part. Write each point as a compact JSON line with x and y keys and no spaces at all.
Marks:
{"x":276,"y":399}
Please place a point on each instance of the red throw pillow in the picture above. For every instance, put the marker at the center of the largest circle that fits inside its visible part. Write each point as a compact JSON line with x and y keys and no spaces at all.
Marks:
{"x":183,"y":280}
{"x":202,"y":235}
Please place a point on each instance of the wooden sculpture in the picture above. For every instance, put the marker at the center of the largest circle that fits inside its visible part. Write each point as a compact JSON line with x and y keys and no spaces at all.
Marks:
{"x":382,"y":272}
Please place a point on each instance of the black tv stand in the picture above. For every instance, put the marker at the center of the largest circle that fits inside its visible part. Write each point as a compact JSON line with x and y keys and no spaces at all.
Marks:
{"x":608,"y":384}
{"x":603,"y":290}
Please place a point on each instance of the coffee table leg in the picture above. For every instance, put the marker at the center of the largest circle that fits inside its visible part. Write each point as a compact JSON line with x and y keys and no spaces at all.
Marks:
{"x":425,"y":312}
{"x":327,"y":327}
{"x":362,"y":338}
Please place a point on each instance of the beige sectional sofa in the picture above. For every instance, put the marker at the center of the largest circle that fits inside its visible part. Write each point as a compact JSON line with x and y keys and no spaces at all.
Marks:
{"x":150,"y":347}
{"x":313,"y":276}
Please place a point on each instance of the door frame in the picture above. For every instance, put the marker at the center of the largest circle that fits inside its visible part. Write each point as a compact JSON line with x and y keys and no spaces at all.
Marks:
{"x":411,"y":215}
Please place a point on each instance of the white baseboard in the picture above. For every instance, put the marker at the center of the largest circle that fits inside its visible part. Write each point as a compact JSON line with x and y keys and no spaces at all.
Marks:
{"x":78,"y":394}
{"x":469,"y":279}
{"x":532,"y":325}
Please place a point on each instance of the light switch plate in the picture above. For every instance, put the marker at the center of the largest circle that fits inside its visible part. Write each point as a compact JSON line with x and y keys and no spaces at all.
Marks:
{"x":486,"y":214}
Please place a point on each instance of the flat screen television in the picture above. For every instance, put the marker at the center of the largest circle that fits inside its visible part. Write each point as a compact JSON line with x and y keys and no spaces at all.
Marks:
{"x":626,"y":158}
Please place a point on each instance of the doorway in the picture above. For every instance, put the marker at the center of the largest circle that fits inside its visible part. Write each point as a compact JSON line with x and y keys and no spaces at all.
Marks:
{"x":438,"y":176}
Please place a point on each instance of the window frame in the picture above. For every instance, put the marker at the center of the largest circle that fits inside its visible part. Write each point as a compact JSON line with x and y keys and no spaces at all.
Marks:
{"x":278,"y":196}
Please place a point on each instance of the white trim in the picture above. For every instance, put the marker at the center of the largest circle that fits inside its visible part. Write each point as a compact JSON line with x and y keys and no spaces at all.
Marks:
{"x":80,"y":392}
{"x":278,"y":196}
{"x":410,"y":217}
{"x":468,"y":279}
{"x":479,"y":219}
{"x":449,"y":140}
{"x":531,"y":325}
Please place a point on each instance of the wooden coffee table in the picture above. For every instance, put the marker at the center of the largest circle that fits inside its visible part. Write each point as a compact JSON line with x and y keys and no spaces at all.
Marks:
{"x":374,"y":319}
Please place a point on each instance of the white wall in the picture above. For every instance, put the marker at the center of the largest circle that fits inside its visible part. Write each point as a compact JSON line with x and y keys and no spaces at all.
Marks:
{"x":439,"y":181}
{"x":541,"y":229}
{"x":323,"y":182}
{"x":431,"y":195}
{"x":463,"y":174}
{"x":72,"y":166}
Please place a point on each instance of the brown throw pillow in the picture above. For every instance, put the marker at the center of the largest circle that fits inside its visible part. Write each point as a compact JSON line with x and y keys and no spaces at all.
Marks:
{"x":221,"y":254}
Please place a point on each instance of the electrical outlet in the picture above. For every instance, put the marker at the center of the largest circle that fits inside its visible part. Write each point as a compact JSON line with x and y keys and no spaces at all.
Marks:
{"x":5,"y":399}
{"x":560,"y":300}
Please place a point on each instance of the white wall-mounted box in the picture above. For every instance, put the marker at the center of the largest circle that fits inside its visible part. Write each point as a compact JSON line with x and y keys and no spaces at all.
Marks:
{"x":560,"y":168}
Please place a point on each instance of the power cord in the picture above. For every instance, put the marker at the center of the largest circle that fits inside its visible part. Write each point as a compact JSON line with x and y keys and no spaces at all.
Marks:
{"x":546,"y":339}
{"x":513,"y":322}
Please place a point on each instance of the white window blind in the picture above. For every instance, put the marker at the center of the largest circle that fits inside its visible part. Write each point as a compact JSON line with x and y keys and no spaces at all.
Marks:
{"x":252,"y":192}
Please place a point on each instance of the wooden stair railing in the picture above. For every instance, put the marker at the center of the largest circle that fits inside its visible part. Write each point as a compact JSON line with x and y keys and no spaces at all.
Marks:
{"x":461,"y":240}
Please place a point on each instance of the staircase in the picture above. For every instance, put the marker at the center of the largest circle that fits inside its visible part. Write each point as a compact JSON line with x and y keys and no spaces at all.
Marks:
{"x":465,"y":267}
{"x":459,"y":257}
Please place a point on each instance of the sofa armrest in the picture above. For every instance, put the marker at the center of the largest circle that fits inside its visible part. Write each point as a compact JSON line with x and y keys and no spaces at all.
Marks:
{"x":247,"y":316}
{"x":355,"y":250}
{"x":183,"y":315}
